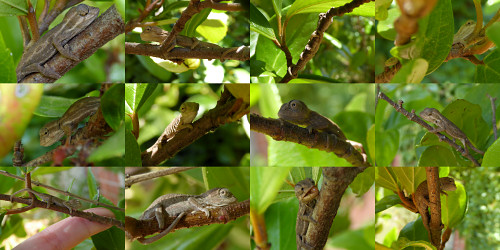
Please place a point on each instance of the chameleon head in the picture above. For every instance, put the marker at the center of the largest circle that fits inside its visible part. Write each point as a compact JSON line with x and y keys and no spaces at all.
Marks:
{"x":50,"y":133}
{"x":220,"y":197}
{"x":447,"y":184}
{"x":306,"y":190}
{"x":464,"y":32}
{"x":189,"y":107}
{"x":428,"y":114}
{"x":294,"y":111}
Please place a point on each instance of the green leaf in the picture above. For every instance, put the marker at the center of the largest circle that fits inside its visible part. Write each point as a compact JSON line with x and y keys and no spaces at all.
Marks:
{"x":381,"y":7}
{"x":259,"y":23}
{"x":354,"y":239}
{"x":265,"y":183}
{"x":113,"y":147}
{"x":490,"y":71}
{"x":91,"y":183}
{"x":387,"y":202}
{"x":363,"y":181}
{"x":493,"y":34}
{"x":322,"y":6}
{"x":491,"y":158}
{"x":437,"y":156}
{"x":132,"y":150}
{"x":136,"y":95}
{"x":412,"y":72}
{"x":214,"y":30}
{"x":386,"y":146}
{"x":386,"y":27}
{"x":7,"y":66}
{"x":112,"y":106}
{"x":453,"y":206}
{"x":280,"y":219}
{"x":194,"y":22}
{"x":13,"y":7}
{"x":112,"y":238}
{"x":435,"y":35}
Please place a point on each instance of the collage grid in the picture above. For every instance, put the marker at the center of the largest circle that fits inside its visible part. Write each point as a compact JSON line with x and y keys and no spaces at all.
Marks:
{"x":249,"y":124}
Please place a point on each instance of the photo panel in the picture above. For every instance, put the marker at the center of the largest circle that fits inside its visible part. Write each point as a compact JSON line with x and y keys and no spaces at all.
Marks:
{"x":204,"y":208}
{"x":310,"y":208}
{"x":62,"y":208}
{"x":187,"y":41}
{"x":62,"y":125}
{"x":187,"y":124}
{"x":428,"y":125}
{"x":62,"y":41}
{"x":312,"y":125}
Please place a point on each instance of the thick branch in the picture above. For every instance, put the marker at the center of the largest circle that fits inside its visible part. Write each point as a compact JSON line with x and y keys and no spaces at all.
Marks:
{"x":335,"y":182}
{"x":325,"y":19}
{"x":140,"y":228}
{"x":105,"y":28}
{"x":226,"y":111}
{"x":414,"y":118}
{"x":284,"y":131}
{"x":434,"y":204}
{"x":62,"y":209}
{"x":236,"y":53}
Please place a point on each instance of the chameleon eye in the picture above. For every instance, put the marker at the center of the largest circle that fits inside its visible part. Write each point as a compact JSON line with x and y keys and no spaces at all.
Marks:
{"x":223,"y":192}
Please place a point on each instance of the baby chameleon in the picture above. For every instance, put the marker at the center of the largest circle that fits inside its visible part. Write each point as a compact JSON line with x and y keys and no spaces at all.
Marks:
{"x":189,"y":110}
{"x":421,"y":198}
{"x":53,"y":131}
{"x":181,"y":204}
{"x":443,"y":124}
{"x":298,"y":113}
{"x":307,"y":193}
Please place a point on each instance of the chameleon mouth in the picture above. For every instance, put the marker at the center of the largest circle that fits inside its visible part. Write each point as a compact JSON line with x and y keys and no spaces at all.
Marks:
{"x":312,"y":193}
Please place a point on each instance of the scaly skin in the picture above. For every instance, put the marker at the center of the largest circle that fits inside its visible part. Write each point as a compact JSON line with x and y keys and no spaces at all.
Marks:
{"x":37,"y":54}
{"x":307,"y":193}
{"x":182,"y":204}
{"x":443,"y":124}
{"x":421,"y":198}
{"x":188,"y":110}
{"x":53,"y":131}
{"x":298,"y":113}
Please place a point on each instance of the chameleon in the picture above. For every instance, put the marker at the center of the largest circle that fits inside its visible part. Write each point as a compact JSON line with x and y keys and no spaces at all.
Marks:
{"x":156,"y":34}
{"x":443,"y":124}
{"x":188,"y":110}
{"x":298,"y":113}
{"x":421,"y":198}
{"x":307,"y":193}
{"x":179,"y":205}
{"x":55,"y":40}
{"x":53,"y":131}
{"x":49,"y":199}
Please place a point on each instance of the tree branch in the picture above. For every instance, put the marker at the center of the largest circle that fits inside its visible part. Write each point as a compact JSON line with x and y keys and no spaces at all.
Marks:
{"x":335,"y":182}
{"x":140,"y":228}
{"x":105,"y":28}
{"x":62,"y":209}
{"x":129,"y":181}
{"x":236,"y":53}
{"x":414,"y":118}
{"x":284,"y":131}
{"x":434,"y":204}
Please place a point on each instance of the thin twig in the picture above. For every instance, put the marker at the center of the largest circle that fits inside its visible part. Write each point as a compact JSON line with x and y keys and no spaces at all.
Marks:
{"x":155,"y":174}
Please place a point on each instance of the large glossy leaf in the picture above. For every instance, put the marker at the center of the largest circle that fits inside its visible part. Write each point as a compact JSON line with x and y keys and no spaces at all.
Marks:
{"x":265,"y":183}
{"x":260,"y":24}
{"x":490,"y":71}
{"x":322,"y":6}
